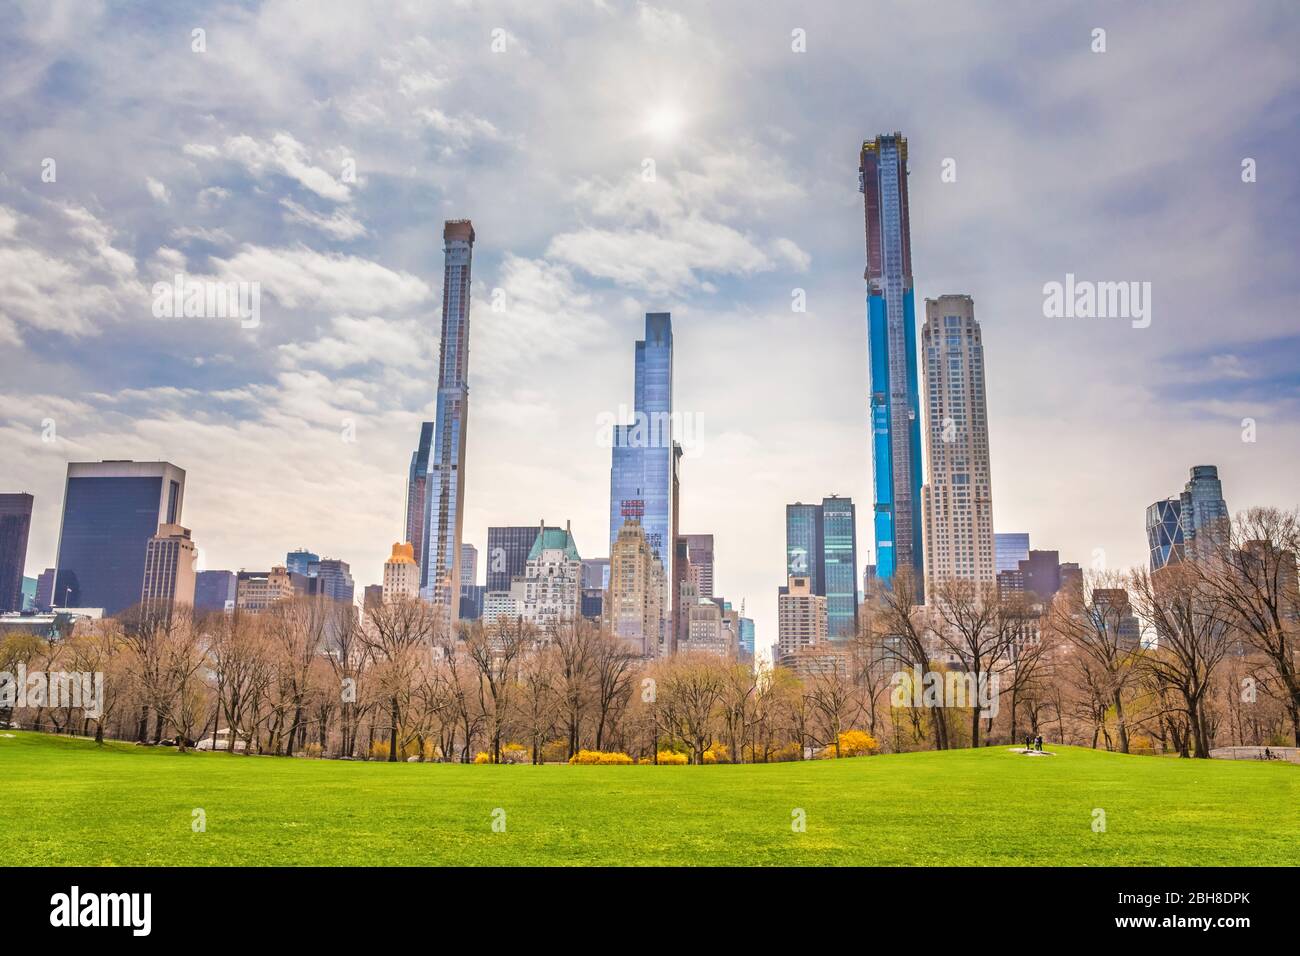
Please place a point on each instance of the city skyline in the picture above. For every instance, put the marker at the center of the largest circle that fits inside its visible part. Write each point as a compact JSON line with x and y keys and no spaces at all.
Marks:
{"x":746,"y":209}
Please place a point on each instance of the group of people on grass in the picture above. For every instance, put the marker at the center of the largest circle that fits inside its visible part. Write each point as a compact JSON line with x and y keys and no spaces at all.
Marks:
{"x":1034,"y":743}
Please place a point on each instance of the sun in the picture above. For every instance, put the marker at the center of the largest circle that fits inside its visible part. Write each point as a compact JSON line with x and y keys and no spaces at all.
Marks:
{"x":665,"y":121}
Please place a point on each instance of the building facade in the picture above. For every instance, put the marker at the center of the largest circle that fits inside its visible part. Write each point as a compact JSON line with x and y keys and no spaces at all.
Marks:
{"x":255,"y":591}
{"x":801,"y":616}
{"x":110,"y":511}
{"x":401,"y":574}
{"x":507,"y":554}
{"x":1009,"y":549}
{"x":891,"y":331}
{"x":214,"y":591}
{"x":839,"y":567}
{"x":699,"y":552}
{"x":417,"y":482}
{"x":1165,"y":532}
{"x":803,"y":544}
{"x":444,"y":517}
{"x":636,"y":583}
{"x":169,"y":575}
{"x":15,"y":527}
{"x":550,"y":592}
{"x":957,"y":500}
{"x":645,"y":457}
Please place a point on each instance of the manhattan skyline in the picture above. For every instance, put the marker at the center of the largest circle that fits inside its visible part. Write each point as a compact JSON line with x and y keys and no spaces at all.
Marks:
{"x":1067,"y":162}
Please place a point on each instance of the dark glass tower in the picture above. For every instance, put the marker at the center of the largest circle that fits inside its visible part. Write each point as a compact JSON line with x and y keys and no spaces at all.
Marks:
{"x":15,"y":525}
{"x":444,"y":517}
{"x":416,"y":492}
{"x":891,"y":328}
{"x":110,"y":511}
{"x":507,"y":554}
{"x":803,"y":544}
{"x":839,"y":567}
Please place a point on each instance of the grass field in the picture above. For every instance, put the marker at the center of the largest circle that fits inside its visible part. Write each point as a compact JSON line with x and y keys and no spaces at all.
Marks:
{"x":66,"y":802}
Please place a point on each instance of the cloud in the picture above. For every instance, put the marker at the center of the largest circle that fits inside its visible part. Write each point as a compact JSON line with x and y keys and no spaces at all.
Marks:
{"x":338,"y":225}
{"x":282,"y":154}
{"x":303,"y":277}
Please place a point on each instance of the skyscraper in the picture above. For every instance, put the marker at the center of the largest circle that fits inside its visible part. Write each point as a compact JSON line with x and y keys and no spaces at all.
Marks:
{"x":1203,"y":512}
{"x":891,"y":328}
{"x":643,"y":473}
{"x":15,"y":524}
{"x":957,"y":501}
{"x":468,"y":564}
{"x":507,"y":554}
{"x":803,"y":544}
{"x":169,"y":576}
{"x":801,"y":616}
{"x":401,"y":574}
{"x":110,"y":511}
{"x":302,"y":561}
{"x":839,"y":567}
{"x":636,"y":583}
{"x":699,"y":551}
{"x":1009,"y":549}
{"x":444,"y":512}
{"x":416,"y":493}
{"x":1165,"y":532}
{"x":332,"y":578}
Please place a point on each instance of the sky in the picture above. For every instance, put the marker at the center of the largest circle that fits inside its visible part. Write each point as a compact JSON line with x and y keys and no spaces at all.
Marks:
{"x":618,"y":158}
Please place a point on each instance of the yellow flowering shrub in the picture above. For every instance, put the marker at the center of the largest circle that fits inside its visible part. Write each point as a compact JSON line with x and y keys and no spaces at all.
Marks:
{"x":670,"y":758}
{"x":600,"y":757}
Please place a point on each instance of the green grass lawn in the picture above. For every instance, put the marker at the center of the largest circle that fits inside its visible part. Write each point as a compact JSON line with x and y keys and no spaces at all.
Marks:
{"x":67,"y":802}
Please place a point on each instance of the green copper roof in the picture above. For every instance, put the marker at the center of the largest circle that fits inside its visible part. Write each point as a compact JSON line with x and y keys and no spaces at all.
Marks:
{"x":554,"y":538}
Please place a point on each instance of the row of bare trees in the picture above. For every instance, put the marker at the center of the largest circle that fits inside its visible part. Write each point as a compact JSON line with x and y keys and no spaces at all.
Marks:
{"x":1196,"y":655}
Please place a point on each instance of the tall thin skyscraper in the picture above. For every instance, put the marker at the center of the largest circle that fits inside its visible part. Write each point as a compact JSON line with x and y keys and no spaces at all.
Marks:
{"x":444,"y":517}
{"x":416,"y":493}
{"x":891,"y":327}
{"x":839,"y":567}
{"x":15,"y":524}
{"x":110,"y":511}
{"x":957,"y":501}
{"x":643,"y":474}
{"x":699,"y":550}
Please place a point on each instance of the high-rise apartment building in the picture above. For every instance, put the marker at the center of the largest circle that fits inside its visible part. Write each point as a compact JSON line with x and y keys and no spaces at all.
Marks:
{"x":801,"y":616}
{"x":44,"y":590}
{"x":110,"y":511}
{"x":444,"y":517}
{"x":746,"y":639}
{"x":417,"y":479}
{"x":645,"y":456}
{"x":891,"y":329}
{"x":699,"y":552}
{"x":401,"y":574}
{"x":468,"y":564}
{"x":957,"y":500}
{"x":636,"y":583}
{"x":169,"y":575}
{"x":1009,"y":549}
{"x":15,"y":526}
{"x":839,"y":567}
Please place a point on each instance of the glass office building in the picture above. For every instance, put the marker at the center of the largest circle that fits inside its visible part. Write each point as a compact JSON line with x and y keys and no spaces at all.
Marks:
{"x":891,"y":329}
{"x":1165,"y":533}
{"x":1203,"y":512}
{"x":15,"y":524}
{"x":416,"y":492}
{"x":110,"y":511}
{"x":839,"y":569}
{"x":1009,"y":549}
{"x":803,"y":544}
